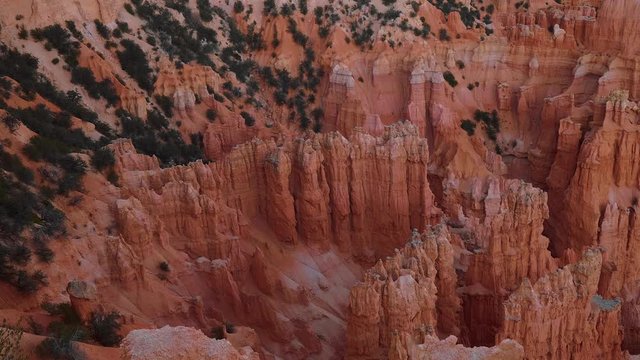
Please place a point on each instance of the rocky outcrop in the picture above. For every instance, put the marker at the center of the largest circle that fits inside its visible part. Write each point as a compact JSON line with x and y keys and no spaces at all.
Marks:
{"x":326,"y":172}
{"x":562,"y":315}
{"x":41,"y":13}
{"x":433,"y":348}
{"x":186,"y":84}
{"x":606,"y":166}
{"x":343,"y":108}
{"x":506,"y":245}
{"x":322,"y":192}
{"x":82,"y":295}
{"x":404,"y":298}
{"x":180,"y":343}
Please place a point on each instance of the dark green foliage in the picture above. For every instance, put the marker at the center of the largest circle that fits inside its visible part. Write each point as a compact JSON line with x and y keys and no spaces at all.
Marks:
{"x":103,"y":30}
{"x":71,"y":26}
{"x":54,"y":143}
{"x":491,"y":122}
{"x":468,"y":126}
{"x":112,"y":177}
{"x":63,"y":332}
{"x":460,"y":64}
{"x":248,"y":119}
{"x":390,"y":15}
{"x":24,"y":69}
{"x":84,"y":76}
{"x":129,"y":8}
{"x":238,"y":7}
{"x":12,"y":163}
{"x":157,"y":120}
{"x":205,"y":10}
{"x":23,"y":33}
{"x":212,"y":115}
{"x":303,"y":7}
{"x":134,"y":62}
{"x":269,"y":7}
{"x":298,"y":36}
{"x":217,"y":333}
{"x":166,"y":144}
{"x":166,"y":104}
{"x":450,"y":78}
{"x":164,"y":266}
{"x":59,"y":349}
{"x":55,"y":127}
{"x":286,"y":10}
{"x":60,"y":39}
{"x":123,"y":27}
{"x":443,"y":35}
{"x":103,"y":158}
{"x":104,"y":328}
{"x":230,"y":328}
{"x":191,"y":41}
{"x":45,"y":254}
{"x":388,"y":2}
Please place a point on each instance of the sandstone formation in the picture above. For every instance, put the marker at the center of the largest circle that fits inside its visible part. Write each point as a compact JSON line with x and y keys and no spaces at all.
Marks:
{"x":405,"y":298}
{"x":570,"y":318}
{"x":180,"y":343}
{"x":186,"y":84}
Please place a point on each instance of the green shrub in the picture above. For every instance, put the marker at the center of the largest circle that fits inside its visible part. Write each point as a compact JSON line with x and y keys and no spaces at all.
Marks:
{"x":450,"y":78}
{"x":443,"y":35}
{"x":103,"y":158}
{"x":157,"y":120}
{"x":45,"y":254}
{"x":134,"y":62}
{"x":491,"y":121}
{"x":212,"y":115}
{"x":103,"y":30}
{"x":164,"y":266}
{"x":105,"y":327}
{"x":238,"y":7}
{"x":129,"y":8}
{"x":468,"y":126}
{"x":248,"y":119}
{"x":166,"y":104}
{"x":60,"y":348}
{"x":205,"y":10}
{"x":60,"y":39}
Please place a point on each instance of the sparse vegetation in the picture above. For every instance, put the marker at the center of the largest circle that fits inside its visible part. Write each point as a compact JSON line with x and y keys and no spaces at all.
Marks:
{"x":134,"y":62}
{"x":248,"y":119}
{"x":164,"y":266}
{"x":468,"y":126}
{"x":212,"y":115}
{"x":104,"y":328}
{"x":102,"y":159}
{"x":491,"y":122}
{"x":165,"y":143}
{"x":450,"y":78}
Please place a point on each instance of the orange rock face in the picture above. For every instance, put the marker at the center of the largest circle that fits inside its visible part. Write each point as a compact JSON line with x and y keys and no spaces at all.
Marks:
{"x":405,"y":298}
{"x":561,"y":315}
